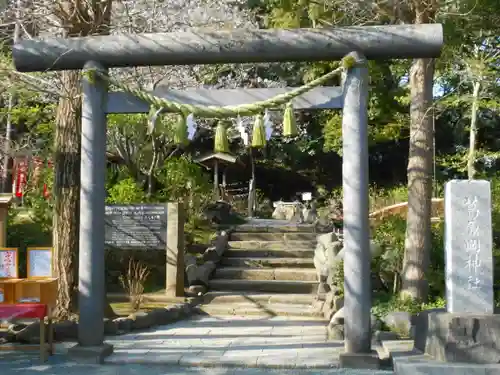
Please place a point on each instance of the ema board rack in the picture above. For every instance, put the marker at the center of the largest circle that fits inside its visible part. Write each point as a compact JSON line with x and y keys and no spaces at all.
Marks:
{"x":39,"y":287}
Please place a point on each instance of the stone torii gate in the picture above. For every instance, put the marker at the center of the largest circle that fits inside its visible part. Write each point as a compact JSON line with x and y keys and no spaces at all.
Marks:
{"x":235,"y":46}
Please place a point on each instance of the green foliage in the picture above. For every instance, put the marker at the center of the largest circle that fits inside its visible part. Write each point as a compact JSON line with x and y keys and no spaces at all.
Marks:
{"x":382,"y":197}
{"x":126,"y":191}
{"x":437,"y":303}
{"x":332,"y":131}
{"x":495,"y":202}
{"x":338,"y":277}
{"x":390,"y":234}
{"x":187,"y":182}
{"x":386,"y":303}
{"x":182,"y":178}
{"x":40,"y":208}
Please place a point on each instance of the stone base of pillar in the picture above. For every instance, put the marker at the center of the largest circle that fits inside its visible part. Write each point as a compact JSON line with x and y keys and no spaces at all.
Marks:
{"x":360,"y":360}
{"x":90,"y":354}
{"x":459,"y":337}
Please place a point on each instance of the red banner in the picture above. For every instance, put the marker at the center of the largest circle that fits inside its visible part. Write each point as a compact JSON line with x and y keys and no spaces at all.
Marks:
{"x":21,"y":176}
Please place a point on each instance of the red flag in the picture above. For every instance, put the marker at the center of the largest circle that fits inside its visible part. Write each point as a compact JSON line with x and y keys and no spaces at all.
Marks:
{"x":21,"y":177}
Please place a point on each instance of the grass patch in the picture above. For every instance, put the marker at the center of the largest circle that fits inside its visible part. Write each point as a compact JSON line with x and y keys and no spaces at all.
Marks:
{"x":124,"y":309}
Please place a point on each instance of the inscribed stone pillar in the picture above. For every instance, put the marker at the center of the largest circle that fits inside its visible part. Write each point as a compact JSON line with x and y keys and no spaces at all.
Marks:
{"x":468,"y":247}
{"x":175,"y":250}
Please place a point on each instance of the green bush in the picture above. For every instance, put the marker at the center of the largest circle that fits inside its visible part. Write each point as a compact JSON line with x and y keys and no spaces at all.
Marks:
{"x":126,"y":191}
{"x":380,"y":197}
{"x":40,"y":208}
{"x":338,"y":277}
{"x":385,"y":303}
{"x":390,"y":234}
{"x":435,"y":273}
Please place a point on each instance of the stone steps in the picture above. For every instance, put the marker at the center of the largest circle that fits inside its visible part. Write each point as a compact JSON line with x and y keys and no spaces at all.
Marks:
{"x":272,"y":245}
{"x":270,"y":236}
{"x":265,"y":286}
{"x":284,"y":274}
{"x":266,"y":298}
{"x":267,"y":270}
{"x":269,"y":226}
{"x":266,"y":253}
{"x":267,"y":262}
{"x":261,"y":309}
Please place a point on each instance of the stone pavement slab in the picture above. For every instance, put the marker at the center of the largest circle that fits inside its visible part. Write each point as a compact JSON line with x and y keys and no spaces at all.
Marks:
{"x":18,"y":363}
{"x":205,"y":346}
{"x":231,"y":341}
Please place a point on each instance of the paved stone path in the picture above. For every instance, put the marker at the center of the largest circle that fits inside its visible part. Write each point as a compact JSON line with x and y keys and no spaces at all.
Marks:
{"x":232,"y":341}
{"x":58,"y":366}
{"x":18,"y":363}
{"x":205,"y":346}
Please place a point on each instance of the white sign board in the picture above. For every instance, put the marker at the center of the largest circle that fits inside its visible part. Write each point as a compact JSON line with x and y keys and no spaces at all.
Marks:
{"x":306,"y":196}
{"x":8,"y":263}
{"x":40,"y":262}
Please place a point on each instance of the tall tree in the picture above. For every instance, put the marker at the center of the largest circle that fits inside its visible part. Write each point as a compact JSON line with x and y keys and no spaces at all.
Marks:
{"x":420,"y":170}
{"x":420,"y":163}
{"x":77,"y":18}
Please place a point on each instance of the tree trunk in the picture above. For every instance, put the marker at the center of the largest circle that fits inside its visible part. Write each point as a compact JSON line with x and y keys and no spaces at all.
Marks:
{"x":78,"y":19}
{"x":418,"y":225}
{"x":471,"y":158}
{"x":67,"y":192}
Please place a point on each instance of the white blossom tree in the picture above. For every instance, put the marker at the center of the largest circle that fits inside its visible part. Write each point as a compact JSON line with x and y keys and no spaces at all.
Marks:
{"x":70,"y":18}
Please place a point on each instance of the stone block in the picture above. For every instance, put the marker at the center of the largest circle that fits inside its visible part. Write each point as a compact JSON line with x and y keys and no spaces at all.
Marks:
{"x":335,"y":331}
{"x":421,"y":321}
{"x":467,"y":338}
{"x":425,"y":366}
{"x":380,"y":336}
{"x":468,"y":247}
{"x":29,"y":333}
{"x":399,"y":321}
{"x":90,"y":354}
{"x":360,"y":360}
{"x":290,"y":211}
{"x":198,"y":290}
{"x":124,"y":325}
{"x":141,"y":320}
{"x":162,"y":316}
{"x":110,"y":327}
{"x":338,"y":303}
